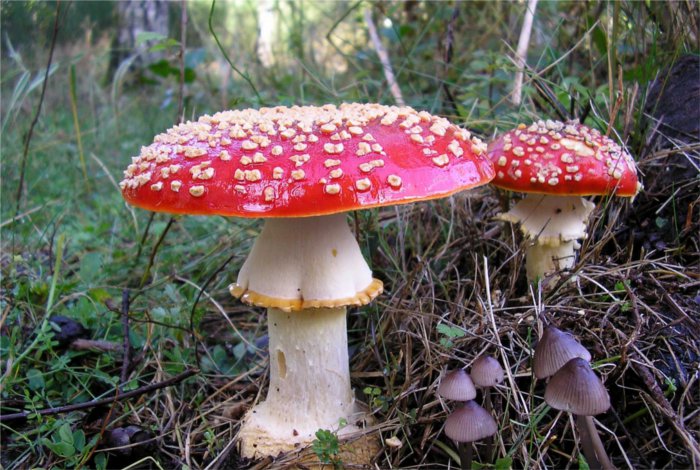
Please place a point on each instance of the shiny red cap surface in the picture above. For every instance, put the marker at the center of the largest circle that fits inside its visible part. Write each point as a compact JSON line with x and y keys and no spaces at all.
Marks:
{"x":551,"y":157}
{"x":304,"y":161}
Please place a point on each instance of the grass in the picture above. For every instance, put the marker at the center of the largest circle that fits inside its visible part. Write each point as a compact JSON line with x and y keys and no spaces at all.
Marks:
{"x":75,"y":246}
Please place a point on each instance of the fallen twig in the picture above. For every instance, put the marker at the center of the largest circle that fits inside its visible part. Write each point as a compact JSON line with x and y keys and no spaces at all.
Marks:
{"x":94,"y":345}
{"x":104,"y":401}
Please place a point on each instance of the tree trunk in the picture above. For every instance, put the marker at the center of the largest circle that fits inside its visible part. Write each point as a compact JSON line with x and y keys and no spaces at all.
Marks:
{"x":134,"y":17}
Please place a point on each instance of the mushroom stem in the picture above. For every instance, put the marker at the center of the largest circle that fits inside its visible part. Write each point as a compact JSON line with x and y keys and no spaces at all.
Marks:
{"x":593,"y":448}
{"x":489,"y":440}
{"x":587,"y":443}
{"x":553,"y":224}
{"x":306,"y":262}
{"x":543,"y":259}
{"x":309,"y":382}
{"x":465,"y":455}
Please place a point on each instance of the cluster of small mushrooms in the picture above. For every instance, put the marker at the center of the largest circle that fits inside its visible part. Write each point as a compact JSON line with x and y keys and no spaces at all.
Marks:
{"x":471,"y":422}
{"x":573,"y":387}
{"x":302,"y":169}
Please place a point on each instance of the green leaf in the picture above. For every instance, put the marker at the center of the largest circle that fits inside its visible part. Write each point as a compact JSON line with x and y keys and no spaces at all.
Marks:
{"x":149,"y":36}
{"x":65,"y":433}
{"x":99,"y":295}
{"x":326,"y":446}
{"x":36,"y":379}
{"x":600,"y":40}
{"x":79,"y":440}
{"x":190,"y":75}
{"x":239,"y":350}
{"x":91,"y":267}
{"x":451,"y":331}
{"x":100,"y":461}
{"x":164,"y":44}
{"x":62,"y":449}
{"x":582,"y":464}
{"x":162,"y":68}
{"x":504,"y":463}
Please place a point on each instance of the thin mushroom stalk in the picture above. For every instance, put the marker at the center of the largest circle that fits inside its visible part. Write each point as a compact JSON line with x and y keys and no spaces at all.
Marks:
{"x":486,"y":373}
{"x":489,"y":439}
{"x":466,"y":455}
{"x":593,"y":448}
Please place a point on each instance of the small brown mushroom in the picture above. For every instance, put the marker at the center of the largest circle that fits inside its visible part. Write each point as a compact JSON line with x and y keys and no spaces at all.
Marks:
{"x":457,"y":386}
{"x":555,"y":349}
{"x":467,"y":424}
{"x":486,"y":373}
{"x":576,"y":389}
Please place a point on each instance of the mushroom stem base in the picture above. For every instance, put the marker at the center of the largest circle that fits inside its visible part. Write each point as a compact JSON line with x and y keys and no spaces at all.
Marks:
{"x":309,"y":383}
{"x":541,"y":260}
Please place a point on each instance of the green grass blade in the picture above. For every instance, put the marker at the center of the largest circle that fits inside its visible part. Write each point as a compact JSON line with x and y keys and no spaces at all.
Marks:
{"x":76,"y":123}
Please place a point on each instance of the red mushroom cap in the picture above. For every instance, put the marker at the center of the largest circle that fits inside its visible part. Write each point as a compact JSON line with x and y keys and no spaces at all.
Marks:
{"x":567,"y":159}
{"x":304,"y":161}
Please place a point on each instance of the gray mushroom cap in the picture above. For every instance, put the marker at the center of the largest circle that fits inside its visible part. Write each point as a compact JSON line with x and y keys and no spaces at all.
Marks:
{"x":575,"y":388}
{"x":457,"y":386}
{"x":487,"y":371}
{"x":470,"y":423}
{"x":555,"y":349}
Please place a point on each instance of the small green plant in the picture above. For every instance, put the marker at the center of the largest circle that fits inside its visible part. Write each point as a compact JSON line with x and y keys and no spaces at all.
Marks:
{"x":326,"y":447}
{"x":450,"y":333}
{"x":68,"y":444}
{"x":376,"y":399}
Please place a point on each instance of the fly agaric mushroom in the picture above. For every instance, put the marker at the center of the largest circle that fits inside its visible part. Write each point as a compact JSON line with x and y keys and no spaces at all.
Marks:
{"x":577,"y":390}
{"x":556,"y":164}
{"x":301,"y":168}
